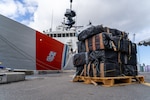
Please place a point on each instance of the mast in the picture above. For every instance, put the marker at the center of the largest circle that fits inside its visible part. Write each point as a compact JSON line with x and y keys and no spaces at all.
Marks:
{"x":71,"y":4}
{"x":70,"y":14}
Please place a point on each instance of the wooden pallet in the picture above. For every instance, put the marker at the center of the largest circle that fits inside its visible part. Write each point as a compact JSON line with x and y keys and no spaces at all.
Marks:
{"x":110,"y":81}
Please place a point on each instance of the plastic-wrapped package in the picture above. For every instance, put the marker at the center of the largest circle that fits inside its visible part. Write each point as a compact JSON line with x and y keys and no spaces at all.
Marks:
{"x":104,"y":56}
{"x":81,"y":59}
{"x":128,"y":59}
{"x":90,"y":31}
{"x":98,"y":42}
{"x":109,"y":70}
{"x":81,"y":46}
{"x":116,"y":32}
{"x":105,"y":52}
{"x":133,"y":48}
{"x":130,"y":70}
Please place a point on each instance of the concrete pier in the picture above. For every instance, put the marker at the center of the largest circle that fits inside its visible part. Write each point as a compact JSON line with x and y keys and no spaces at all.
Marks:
{"x":8,"y":77}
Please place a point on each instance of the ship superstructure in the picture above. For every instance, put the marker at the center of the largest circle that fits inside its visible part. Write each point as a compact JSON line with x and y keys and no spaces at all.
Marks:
{"x":66,"y":36}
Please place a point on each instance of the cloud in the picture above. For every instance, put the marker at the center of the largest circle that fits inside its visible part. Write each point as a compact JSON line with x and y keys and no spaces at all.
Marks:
{"x":19,"y":10}
{"x":8,"y":7}
{"x":48,"y":12}
{"x":127,"y":15}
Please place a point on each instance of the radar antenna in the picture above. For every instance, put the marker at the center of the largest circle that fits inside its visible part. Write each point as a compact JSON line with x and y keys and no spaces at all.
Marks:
{"x":69,"y":14}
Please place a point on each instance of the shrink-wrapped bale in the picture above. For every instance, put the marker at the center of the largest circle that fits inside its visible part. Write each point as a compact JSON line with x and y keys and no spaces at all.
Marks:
{"x":90,"y":31}
{"x":121,"y":44}
{"x":104,"y":55}
{"x":89,"y":70}
{"x":81,"y":46}
{"x":98,"y":42}
{"x":131,"y":59}
{"x":79,"y":70}
{"x":102,"y":69}
{"x":80,"y":59}
{"x":133,"y":48}
{"x":124,"y":45}
{"x":116,"y":32}
{"x":117,"y":42}
{"x":93,"y":30}
{"x":130,"y":70}
{"x":105,"y":52}
{"x":128,"y":59}
{"x":109,"y":69}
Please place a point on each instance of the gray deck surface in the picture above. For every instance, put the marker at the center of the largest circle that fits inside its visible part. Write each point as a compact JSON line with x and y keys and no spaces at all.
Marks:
{"x":58,"y":86}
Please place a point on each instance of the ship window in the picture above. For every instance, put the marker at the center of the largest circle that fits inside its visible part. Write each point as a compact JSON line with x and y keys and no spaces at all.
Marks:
{"x":67,"y":35}
{"x":71,"y":34}
{"x":54,"y":35}
{"x":74,"y":34}
{"x":59,"y":35}
{"x":47,"y":34}
{"x":63,"y":35}
{"x":51,"y":35}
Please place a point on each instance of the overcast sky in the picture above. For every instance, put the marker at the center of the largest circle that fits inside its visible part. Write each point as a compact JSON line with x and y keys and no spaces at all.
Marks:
{"x":131,"y":16}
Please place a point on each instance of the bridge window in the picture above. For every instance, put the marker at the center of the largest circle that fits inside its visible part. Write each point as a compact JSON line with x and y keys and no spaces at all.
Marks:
{"x":71,"y":34}
{"x":59,"y":35}
{"x":63,"y":35}
{"x":67,"y":34}
{"x":74,"y":34}
{"x":54,"y":35}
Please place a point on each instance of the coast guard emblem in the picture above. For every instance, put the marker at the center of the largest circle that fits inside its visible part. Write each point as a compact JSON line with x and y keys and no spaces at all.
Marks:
{"x":51,"y":56}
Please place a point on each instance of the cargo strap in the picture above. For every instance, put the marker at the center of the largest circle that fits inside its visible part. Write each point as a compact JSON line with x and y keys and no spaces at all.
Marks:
{"x":110,"y":71}
{"x":129,"y":50}
{"x":119,"y":58}
{"x":113,"y":45}
{"x":119,"y":55}
{"x":101,"y":41}
{"x":119,"y":43}
{"x":94,"y":70}
{"x":88,"y":69}
{"x":84,"y":69}
{"x":119,"y":62}
{"x":108,"y":30}
{"x":102,"y":70}
{"x":82,"y":72}
{"x":86,"y":45}
{"x":93,"y":43}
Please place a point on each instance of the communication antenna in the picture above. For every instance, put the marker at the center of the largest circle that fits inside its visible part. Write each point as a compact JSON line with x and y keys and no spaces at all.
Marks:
{"x":70,"y":14}
{"x":71,"y":4}
{"x":134,"y":38}
{"x":51,"y":22}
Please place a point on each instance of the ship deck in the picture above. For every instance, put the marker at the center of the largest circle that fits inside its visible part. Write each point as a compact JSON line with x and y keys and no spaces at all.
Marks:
{"x":59,"y":86}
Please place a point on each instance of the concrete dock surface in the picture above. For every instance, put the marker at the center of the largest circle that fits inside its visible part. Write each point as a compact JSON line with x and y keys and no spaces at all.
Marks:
{"x":58,"y":86}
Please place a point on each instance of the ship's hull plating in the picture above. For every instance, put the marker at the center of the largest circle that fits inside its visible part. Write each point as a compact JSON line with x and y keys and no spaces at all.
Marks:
{"x":24,"y":48}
